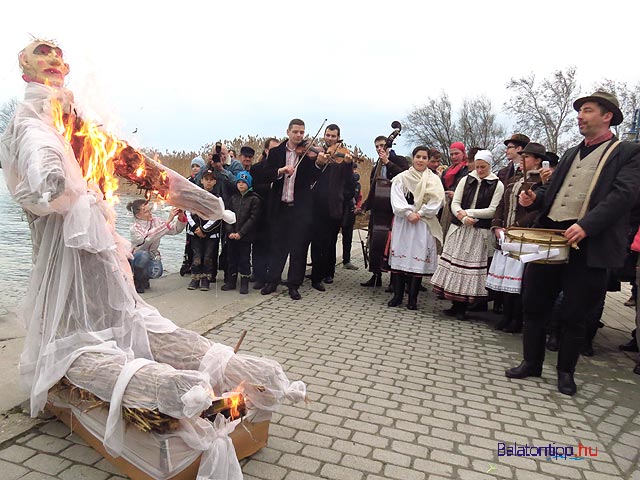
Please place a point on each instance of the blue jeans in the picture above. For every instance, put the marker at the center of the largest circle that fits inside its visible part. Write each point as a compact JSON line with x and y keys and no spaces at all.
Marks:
{"x":143,"y":259}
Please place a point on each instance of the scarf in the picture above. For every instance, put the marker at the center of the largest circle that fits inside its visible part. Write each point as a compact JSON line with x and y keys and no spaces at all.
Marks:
{"x":452,"y":171}
{"x":424,"y":186}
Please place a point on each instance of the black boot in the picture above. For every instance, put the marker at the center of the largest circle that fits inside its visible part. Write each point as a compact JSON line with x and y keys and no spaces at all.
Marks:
{"x":374,"y":281}
{"x":566,"y":384}
{"x":390,"y":288}
{"x":507,"y":312}
{"x":516,"y":323}
{"x":461,"y":313}
{"x":414,"y":289}
{"x":244,"y":284}
{"x":398,"y":289}
{"x":524,"y":370}
{"x":553,"y":342}
{"x":140,"y":279}
{"x":230,"y":283}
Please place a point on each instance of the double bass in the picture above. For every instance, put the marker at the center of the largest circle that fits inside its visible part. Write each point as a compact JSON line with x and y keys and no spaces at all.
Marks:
{"x":381,"y":211}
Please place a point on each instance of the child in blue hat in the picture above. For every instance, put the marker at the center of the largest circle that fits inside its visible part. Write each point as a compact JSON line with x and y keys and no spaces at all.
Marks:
{"x":245,"y":203}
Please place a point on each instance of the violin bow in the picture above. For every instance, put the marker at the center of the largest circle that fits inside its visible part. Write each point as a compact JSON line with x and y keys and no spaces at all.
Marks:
{"x":310,"y":145}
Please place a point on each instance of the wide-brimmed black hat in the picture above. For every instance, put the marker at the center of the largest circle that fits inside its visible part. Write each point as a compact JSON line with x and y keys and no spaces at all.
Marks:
{"x":533,"y":148}
{"x":607,"y":100}
{"x":518,"y":139}
{"x":553,"y":158}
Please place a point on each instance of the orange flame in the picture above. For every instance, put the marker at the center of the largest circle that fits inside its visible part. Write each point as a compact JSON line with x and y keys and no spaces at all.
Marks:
{"x":97,"y":149}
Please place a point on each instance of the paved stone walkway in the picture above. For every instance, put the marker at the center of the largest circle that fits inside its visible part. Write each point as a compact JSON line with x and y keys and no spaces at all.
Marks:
{"x":395,"y":394}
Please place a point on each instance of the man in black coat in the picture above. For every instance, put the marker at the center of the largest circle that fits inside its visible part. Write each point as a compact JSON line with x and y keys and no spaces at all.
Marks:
{"x":290,"y":207}
{"x":589,"y":196}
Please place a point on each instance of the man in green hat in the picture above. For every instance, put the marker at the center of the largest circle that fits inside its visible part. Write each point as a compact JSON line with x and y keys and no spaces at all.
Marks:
{"x":589,"y":198}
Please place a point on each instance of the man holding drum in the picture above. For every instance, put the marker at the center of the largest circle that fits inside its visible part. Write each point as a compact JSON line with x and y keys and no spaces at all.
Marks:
{"x":589,"y":198}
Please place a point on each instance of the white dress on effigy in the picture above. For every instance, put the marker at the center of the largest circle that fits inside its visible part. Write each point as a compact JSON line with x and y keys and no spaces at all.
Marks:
{"x":83,"y":316}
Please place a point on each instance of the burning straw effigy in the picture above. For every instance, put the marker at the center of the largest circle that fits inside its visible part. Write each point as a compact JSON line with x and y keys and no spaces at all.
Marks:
{"x":163,"y":398}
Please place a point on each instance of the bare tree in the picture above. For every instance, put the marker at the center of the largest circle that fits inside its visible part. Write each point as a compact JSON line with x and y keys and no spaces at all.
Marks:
{"x":6,"y":113}
{"x":628,"y":97}
{"x":432,"y":125}
{"x":543,"y":109}
{"x":478,"y":126}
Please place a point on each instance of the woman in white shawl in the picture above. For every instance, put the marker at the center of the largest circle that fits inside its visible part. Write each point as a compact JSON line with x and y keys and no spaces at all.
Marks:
{"x":462,"y":268}
{"x":416,"y":236}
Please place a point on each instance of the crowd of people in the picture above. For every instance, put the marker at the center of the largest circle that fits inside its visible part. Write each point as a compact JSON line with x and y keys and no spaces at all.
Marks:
{"x":448,"y":223}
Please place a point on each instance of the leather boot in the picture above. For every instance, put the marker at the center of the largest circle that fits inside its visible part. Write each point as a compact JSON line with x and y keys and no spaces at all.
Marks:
{"x":414,"y":289}
{"x":507,"y":312}
{"x":244,"y":284}
{"x":374,"y":281}
{"x":390,"y":288}
{"x":566,"y":384}
{"x":398,"y":289}
{"x":524,"y":370}
{"x":230,"y":283}
{"x":140,"y":279}
{"x":461,"y":313}
{"x":516,"y":323}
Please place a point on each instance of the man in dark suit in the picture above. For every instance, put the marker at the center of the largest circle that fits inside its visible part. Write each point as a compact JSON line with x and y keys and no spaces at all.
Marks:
{"x":389,"y":165}
{"x":514,"y":146}
{"x":589,"y":197}
{"x":290,"y":207}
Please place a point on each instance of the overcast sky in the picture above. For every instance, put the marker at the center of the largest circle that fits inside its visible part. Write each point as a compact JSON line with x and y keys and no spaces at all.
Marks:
{"x":195,"y":72}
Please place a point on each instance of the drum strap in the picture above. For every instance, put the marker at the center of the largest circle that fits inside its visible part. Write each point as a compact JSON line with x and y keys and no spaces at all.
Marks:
{"x":596,"y":175}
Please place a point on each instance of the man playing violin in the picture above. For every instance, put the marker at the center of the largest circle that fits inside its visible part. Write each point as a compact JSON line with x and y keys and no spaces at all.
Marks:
{"x":292,"y":169}
{"x":328,"y":207}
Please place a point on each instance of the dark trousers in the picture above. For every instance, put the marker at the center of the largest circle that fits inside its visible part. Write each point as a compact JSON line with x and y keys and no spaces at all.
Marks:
{"x":205,"y":256}
{"x":260,"y":254}
{"x":348,"y":222}
{"x":238,"y":257}
{"x":582,"y":288}
{"x":289,"y":238}
{"x":323,"y":247}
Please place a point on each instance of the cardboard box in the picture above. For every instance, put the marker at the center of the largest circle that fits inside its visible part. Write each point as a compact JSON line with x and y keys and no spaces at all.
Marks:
{"x":248,"y":437}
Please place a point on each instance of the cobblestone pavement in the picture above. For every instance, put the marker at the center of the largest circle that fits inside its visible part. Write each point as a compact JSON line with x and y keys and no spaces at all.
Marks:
{"x":395,"y":394}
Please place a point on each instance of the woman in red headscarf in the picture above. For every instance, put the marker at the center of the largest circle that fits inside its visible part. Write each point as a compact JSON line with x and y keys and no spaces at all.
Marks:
{"x":450,"y":178}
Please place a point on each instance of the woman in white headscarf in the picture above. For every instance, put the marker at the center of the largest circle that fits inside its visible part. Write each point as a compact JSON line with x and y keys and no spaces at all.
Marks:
{"x":462,"y":268}
{"x":417,"y":196}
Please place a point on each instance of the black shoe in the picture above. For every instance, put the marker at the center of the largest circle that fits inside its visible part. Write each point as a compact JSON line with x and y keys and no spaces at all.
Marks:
{"x":461,"y":315}
{"x":389,"y":289}
{"x":328,"y":279}
{"x":318,"y":286}
{"x":553,"y":343}
{"x":244,"y":284}
{"x":524,"y":370}
{"x":514,"y":327}
{"x":268,"y":288}
{"x":258,"y":285}
{"x":630,"y":346}
{"x":503,"y":323}
{"x":204,"y":284}
{"x":450,"y":312}
{"x":566,"y":385}
{"x":480,"y":306}
{"x":294,"y":294}
{"x":587,"y":351}
{"x":374,"y":281}
{"x":394,"y":302}
{"x":194,"y":284}
{"x":636,"y":370}
{"x":139,"y":289}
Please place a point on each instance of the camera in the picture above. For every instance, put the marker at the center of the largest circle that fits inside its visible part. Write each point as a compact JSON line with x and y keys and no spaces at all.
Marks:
{"x":218,"y":148}
{"x":216,"y":158}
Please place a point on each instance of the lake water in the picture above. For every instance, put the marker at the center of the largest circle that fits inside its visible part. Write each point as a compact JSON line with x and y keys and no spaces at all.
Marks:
{"x":15,"y":246}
